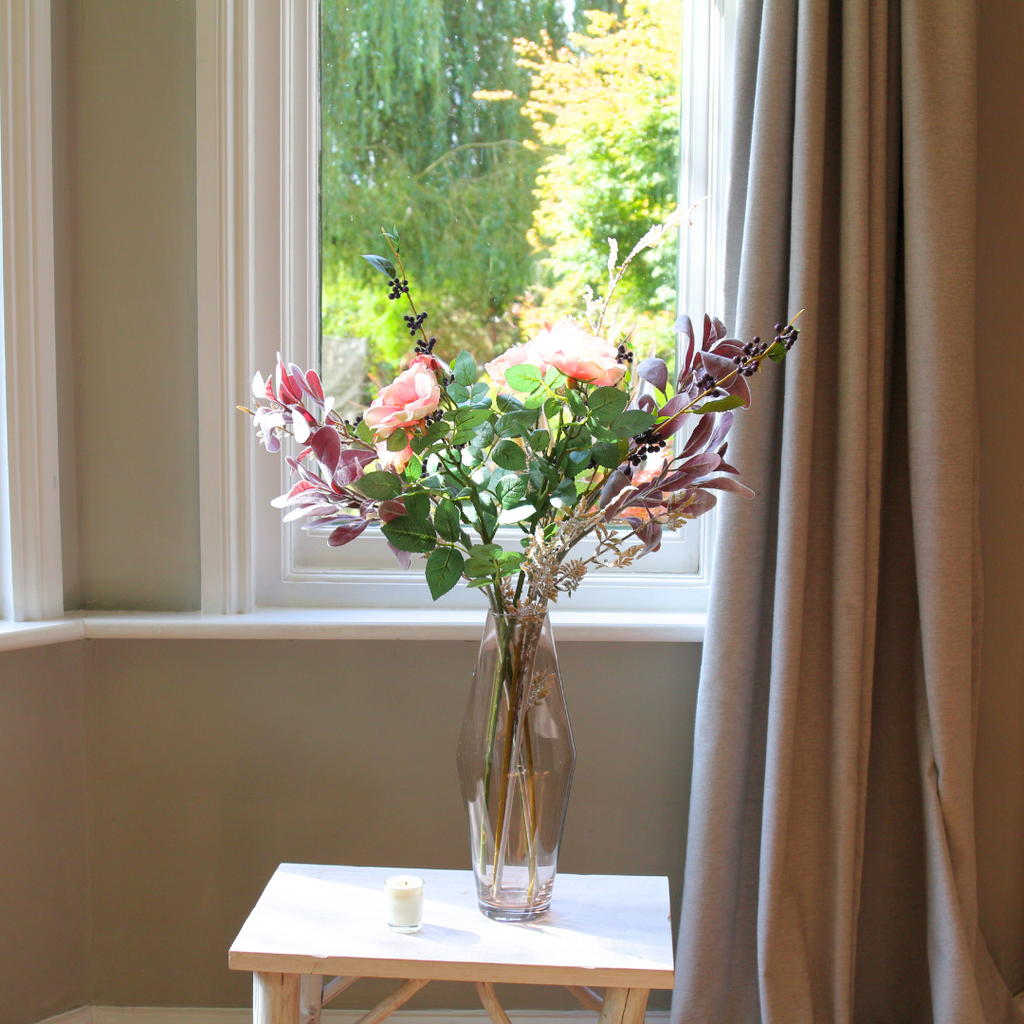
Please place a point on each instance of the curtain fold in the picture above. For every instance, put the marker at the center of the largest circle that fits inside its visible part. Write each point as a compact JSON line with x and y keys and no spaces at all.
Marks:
{"x":830,"y":871}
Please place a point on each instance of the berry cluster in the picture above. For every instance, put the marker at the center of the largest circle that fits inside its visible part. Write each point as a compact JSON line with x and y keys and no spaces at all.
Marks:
{"x":623,"y":355}
{"x":647,"y":443}
{"x":425,"y":348}
{"x":709,"y":385}
{"x":786,"y":336}
{"x":414,"y":323}
{"x":398,"y":287}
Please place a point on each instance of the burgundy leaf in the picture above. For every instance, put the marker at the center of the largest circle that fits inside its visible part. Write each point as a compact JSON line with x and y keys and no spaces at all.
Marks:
{"x":403,"y":558}
{"x":647,"y":403}
{"x":289,"y":391}
{"x":697,"y":441}
{"x":273,"y":442}
{"x":351,"y":465}
{"x":615,"y":482}
{"x":346,"y":532}
{"x":650,"y":534}
{"x":293,"y":495}
{"x":654,"y":371}
{"x":702,"y":501}
{"x":673,"y":409}
{"x":391,"y":509}
{"x":722,"y":427}
{"x":729,"y":348}
{"x":724,"y":483}
{"x":709,"y":333}
{"x":314,"y":386}
{"x":326,"y":445}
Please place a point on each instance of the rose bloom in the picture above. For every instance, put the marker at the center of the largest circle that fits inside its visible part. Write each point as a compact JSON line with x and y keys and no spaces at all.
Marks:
{"x":568,"y":348}
{"x":412,"y":397}
{"x":395,"y":461}
{"x":581,"y":356}
{"x":532,"y":352}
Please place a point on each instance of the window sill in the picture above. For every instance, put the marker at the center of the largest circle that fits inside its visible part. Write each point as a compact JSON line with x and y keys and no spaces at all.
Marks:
{"x":342,"y":624}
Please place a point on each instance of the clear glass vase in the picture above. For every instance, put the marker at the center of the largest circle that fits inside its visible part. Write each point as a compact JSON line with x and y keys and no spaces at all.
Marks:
{"x":516,"y":758}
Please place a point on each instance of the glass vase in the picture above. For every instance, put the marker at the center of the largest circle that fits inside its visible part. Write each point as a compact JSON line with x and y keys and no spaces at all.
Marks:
{"x":516,"y":758}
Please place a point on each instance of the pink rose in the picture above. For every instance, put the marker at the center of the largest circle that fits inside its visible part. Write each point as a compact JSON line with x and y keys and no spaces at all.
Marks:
{"x":568,"y":348}
{"x":407,"y":402}
{"x":532,"y":352}
{"x":395,"y":461}
{"x":581,"y":356}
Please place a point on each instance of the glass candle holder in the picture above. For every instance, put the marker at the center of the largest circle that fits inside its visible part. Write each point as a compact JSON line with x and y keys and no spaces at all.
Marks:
{"x":404,"y":903}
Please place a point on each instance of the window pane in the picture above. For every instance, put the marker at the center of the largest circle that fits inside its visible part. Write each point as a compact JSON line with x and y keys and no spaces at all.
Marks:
{"x":506,"y":141}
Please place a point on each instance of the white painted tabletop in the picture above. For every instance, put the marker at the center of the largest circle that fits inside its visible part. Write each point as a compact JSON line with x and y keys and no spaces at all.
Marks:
{"x":603,"y":930}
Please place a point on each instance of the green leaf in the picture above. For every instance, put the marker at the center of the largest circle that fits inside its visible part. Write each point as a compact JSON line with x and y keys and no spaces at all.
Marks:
{"x":464,"y":369}
{"x":564,"y":494}
{"x":458,"y":392}
{"x":478,"y":583}
{"x":777,"y":352}
{"x":414,"y":470}
{"x":632,"y":422}
{"x":364,"y":433}
{"x":576,"y":404}
{"x":509,"y":455}
{"x":511,"y":490}
{"x":444,"y":567}
{"x":467,"y":418}
{"x":508,"y":403}
{"x":552,"y":407}
{"x":398,"y":441}
{"x":447,"y":519}
{"x":606,"y":403}
{"x":578,"y":462}
{"x":523,"y":377}
{"x":554,"y":378}
{"x":379,"y":485}
{"x":607,"y":454}
{"x":437,"y":430}
{"x":381,"y":263}
{"x":720,"y":404}
{"x":417,"y":506}
{"x":539,"y":441}
{"x":409,"y":534}
{"x":510,"y":561}
{"x":511,"y":516}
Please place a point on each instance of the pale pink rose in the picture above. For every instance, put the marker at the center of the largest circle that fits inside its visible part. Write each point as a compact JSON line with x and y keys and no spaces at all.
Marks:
{"x":532,"y":352}
{"x":581,"y":356}
{"x":412,"y":397}
{"x":395,"y":461}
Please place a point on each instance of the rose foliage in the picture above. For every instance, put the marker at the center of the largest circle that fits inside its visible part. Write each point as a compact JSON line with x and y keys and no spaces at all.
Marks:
{"x":564,"y":439}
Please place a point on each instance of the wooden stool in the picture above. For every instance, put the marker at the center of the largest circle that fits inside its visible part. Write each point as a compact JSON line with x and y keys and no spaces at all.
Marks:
{"x":317,"y":929}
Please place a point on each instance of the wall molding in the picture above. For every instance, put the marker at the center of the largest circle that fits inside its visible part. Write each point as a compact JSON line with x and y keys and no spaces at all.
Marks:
{"x":33,"y":586}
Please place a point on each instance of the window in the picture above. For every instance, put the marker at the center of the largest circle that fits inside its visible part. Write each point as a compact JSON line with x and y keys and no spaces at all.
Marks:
{"x":259,"y":264}
{"x":31,"y":585}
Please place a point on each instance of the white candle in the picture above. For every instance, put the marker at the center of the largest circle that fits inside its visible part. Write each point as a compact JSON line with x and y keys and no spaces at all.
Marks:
{"x":405,"y":902}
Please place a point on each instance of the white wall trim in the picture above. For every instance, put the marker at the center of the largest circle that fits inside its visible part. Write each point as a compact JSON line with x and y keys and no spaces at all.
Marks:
{"x":343,"y":624}
{"x":34,"y":586}
{"x":224,"y":199}
{"x":242,"y":1015}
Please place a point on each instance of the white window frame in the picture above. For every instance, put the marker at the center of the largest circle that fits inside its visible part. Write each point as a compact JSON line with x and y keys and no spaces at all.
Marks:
{"x":258,"y":267}
{"x":31,"y":572}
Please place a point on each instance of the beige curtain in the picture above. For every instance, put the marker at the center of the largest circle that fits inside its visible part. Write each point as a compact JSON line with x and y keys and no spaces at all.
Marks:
{"x":830,"y":870}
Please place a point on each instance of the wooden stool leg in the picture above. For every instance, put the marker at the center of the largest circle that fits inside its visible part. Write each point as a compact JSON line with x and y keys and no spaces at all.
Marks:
{"x":636,"y":1006}
{"x":275,"y":998}
{"x":614,"y":1005}
{"x":311,"y":988}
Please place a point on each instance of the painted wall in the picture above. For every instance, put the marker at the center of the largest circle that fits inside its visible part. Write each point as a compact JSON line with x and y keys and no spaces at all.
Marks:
{"x":212,"y":762}
{"x":209,"y":761}
{"x":44,"y":863}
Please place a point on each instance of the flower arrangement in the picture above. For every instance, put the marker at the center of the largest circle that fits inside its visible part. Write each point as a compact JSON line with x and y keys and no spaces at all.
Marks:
{"x":565,"y":439}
